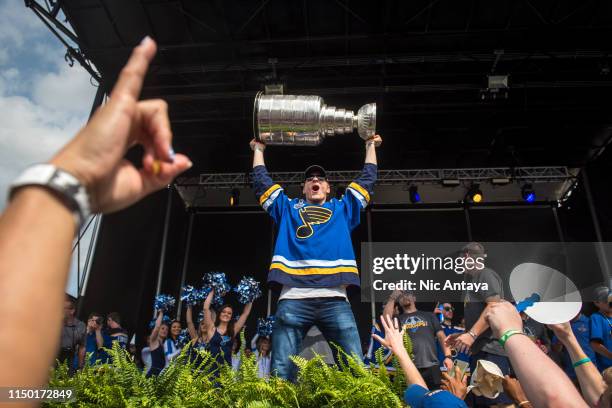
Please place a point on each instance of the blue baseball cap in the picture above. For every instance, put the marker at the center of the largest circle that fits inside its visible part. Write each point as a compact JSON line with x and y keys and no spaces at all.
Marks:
{"x":419,"y":397}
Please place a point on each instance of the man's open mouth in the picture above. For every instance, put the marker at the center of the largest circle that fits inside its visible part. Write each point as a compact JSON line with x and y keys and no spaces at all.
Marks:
{"x":315,"y":188}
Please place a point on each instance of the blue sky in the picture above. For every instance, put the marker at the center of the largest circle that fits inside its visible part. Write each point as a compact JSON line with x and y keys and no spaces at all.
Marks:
{"x":43,"y":101}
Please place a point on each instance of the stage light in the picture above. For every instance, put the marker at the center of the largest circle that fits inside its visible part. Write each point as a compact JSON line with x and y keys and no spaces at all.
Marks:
{"x":474,"y":194}
{"x":528,"y":193}
{"x":415,"y":197}
{"x":450,"y":182}
{"x":234,"y":197}
{"x":500,"y":181}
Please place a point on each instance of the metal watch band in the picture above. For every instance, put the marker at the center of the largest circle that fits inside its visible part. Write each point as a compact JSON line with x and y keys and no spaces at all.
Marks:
{"x":73,"y":194}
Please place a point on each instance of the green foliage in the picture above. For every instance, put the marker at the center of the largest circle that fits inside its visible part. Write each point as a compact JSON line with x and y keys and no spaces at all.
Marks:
{"x":382,"y":370}
{"x":351,"y":385}
{"x":408,"y":345}
{"x":187,"y":383}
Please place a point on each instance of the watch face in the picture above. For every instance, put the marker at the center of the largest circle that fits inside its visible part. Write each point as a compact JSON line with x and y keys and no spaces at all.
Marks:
{"x":72,"y":194}
{"x":65,"y":182}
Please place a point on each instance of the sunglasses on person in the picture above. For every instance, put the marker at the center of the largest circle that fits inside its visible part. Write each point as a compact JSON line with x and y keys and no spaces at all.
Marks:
{"x":449,"y":309}
{"x":320,"y":178}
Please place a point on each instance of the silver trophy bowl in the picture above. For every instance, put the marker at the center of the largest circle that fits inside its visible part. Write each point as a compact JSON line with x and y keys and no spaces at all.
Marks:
{"x":305,"y":120}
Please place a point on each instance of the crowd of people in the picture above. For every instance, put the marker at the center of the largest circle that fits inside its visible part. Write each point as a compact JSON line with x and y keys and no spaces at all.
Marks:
{"x":437,"y":355}
{"x":313,"y":263}
{"x":217,"y":332}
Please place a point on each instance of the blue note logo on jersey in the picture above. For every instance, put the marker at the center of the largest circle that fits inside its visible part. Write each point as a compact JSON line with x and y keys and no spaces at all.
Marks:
{"x":413,"y":323}
{"x":311,"y":215}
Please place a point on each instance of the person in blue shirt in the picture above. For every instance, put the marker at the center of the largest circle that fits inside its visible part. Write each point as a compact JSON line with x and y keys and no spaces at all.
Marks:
{"x":96,"y":340}
{"x":447,"y":311}
{"x":601,"y":328}
{"x":313,"y":259}
{"x":116,"y":332}
{"x":581,"y":327}
{"x":370,"y":356}
{"x":416,"y":395}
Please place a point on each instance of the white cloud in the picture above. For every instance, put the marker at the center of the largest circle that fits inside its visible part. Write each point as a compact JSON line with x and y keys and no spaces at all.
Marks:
{"x":18,"y":24}
{"x":11,"y":74}
{"x":35,"y":127}
{"x":67,"y":90}
{"x":30,"y":133}
{"x":43,"y":101}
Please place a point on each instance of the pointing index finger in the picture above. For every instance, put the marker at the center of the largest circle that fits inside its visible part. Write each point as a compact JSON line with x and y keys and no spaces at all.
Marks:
{"x":133,"y":73}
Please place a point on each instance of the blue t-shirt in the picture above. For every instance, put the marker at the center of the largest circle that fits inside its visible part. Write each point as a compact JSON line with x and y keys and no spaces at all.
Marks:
{"x":448,"y":330}
{"x":370,"y":356}
{"x":121,"y":337}
{"x":601,"y":331}
{"x":99,"y":356}
{"x":582,"y":331}
{"x":419,"y":397}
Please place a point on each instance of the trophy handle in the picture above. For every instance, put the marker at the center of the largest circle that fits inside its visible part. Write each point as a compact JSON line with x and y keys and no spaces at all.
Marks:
{"x":255,"y":118}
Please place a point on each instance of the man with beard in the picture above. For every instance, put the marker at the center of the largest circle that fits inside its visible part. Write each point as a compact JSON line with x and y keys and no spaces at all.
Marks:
{"x":424,"y":329}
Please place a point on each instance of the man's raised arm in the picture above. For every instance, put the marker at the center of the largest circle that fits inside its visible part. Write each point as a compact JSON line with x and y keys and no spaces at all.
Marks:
{"x":371,"y":146}
{"x":266,"y":191}
{"x":258,"y":156}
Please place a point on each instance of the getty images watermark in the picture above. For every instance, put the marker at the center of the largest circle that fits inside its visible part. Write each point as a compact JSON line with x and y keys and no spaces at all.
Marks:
{"x":450,"y":271}
{"x":411,"y":265}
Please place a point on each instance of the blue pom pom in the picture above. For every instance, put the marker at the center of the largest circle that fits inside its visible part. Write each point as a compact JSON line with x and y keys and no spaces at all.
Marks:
{"x":218,"y":282}
{"x":248,"y":290}
{"x":164,"y":302}
{"x":203,"y":293}
{"x":183,"y":338}
{"x":192,"y":296}
{"x":264,"y":326}
{"x":165,"y":319}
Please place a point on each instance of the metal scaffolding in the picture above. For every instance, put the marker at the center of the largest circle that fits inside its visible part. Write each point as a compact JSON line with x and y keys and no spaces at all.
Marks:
{"x":390,"y":177}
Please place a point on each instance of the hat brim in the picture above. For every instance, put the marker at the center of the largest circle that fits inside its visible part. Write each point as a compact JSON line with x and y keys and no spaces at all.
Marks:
{"x":314,"y":169}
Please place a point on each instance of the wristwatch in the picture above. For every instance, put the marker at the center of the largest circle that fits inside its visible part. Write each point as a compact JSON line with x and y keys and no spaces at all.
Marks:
{"x":67,"y":187}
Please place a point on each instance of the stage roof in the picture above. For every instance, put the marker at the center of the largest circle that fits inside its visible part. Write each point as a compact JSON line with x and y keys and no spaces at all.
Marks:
{"x":424,"y":62}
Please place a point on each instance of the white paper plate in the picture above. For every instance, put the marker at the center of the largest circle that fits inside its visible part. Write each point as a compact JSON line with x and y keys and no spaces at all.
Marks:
{"x":560,"y":298}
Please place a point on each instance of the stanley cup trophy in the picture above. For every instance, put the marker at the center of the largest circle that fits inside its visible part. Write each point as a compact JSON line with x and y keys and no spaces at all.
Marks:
{"x":305,"y":120}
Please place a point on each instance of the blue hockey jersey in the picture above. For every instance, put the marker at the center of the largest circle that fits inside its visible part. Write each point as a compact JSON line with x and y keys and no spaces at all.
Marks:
{"x":313,"y":245}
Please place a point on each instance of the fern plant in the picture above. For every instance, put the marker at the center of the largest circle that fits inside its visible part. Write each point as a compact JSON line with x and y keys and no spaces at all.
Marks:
{"x":349,"y":385}
{"x":189,"y":382}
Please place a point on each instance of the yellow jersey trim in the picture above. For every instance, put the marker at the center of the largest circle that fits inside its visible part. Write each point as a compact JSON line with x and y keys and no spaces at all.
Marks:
{"x":267,"y":194}
{"x":313,"y":271}
{"x":361,"y":190}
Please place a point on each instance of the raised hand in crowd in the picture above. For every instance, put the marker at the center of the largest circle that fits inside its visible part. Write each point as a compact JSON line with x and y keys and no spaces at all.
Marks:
{"x":394,"y":341}
{"x":540,"y":377}
{"x":416,"y":393}
{"x":513,"y":388}
{"x":96,"y":155}
{"x":37,"y":227}
{"x":457,"y":384}
{"x":591,"y":382}
{"x":462,"y":342}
